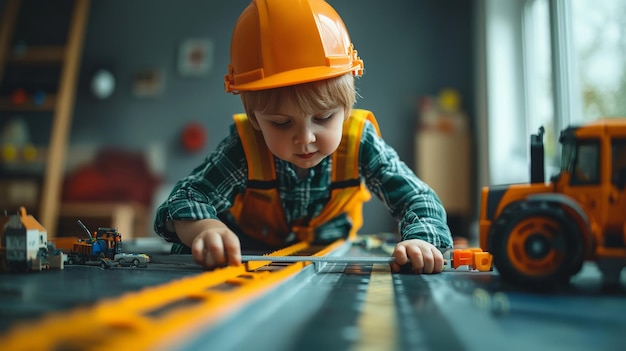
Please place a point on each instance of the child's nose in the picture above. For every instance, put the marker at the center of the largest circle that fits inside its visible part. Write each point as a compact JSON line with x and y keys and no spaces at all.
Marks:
{"x":304,"y":136}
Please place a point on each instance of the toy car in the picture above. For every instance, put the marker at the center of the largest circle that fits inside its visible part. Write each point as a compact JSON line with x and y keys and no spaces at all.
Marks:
{"x":132,"y":259}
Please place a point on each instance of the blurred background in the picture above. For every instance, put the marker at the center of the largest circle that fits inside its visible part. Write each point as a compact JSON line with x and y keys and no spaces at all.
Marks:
{"x":105,"y":104}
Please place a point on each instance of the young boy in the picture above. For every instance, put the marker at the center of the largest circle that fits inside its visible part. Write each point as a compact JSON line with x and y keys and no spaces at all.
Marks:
{"x":298,"y":164}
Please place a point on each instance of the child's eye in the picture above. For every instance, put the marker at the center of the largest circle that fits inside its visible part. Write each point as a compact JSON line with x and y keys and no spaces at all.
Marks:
{"x":280,"y":123}
{"x":323,"y":119}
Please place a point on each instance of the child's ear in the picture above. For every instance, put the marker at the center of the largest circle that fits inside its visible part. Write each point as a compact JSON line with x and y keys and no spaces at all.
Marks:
{"x":253,"y":121}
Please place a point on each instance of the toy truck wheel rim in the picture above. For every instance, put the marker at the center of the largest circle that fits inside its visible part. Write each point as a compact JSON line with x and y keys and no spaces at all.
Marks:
{"x":536,"y":243}
{"x":531,"y":248}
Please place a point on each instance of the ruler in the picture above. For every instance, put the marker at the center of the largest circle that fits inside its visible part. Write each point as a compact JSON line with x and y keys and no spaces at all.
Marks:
{"x":327,"y":259}
{"x":474,"y":258}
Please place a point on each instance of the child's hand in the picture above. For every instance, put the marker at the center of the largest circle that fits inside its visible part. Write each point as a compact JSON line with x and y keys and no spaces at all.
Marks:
{"x":212,"y":243}
{"x":425,"y":258}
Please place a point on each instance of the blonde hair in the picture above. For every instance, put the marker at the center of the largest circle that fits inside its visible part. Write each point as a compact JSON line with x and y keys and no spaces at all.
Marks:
{"x":310,"y":97}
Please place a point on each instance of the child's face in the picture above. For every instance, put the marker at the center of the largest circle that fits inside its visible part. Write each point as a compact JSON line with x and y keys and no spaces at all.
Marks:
{"x":304,"y":140}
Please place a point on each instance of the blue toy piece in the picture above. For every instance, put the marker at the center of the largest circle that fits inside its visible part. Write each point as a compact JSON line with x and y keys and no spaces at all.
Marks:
{"x":39,"y":97}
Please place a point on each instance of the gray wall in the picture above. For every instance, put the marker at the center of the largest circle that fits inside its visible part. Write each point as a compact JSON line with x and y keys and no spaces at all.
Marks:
{"x":410,"y":48}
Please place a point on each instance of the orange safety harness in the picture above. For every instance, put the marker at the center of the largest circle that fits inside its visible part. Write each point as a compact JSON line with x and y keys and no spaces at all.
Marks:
{"x":259,"y":212}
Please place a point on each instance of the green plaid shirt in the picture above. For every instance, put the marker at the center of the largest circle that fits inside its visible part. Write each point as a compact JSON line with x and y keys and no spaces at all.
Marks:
{"x":211,"y":188}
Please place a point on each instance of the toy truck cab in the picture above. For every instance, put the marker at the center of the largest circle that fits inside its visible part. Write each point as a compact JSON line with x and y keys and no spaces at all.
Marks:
{"x":540,"y":233}
{"x":594,"y":174}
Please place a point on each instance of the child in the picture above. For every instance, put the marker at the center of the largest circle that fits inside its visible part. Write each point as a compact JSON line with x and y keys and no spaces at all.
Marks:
{"x":298,"y":164}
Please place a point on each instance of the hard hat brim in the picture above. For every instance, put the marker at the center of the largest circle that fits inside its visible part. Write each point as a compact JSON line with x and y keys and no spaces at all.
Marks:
{"x":297,"y":76}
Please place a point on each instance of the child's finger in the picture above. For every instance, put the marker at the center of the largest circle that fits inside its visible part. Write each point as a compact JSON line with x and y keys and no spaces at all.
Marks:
{"x":233,"y":249}
{"x":417,"y":258}
{"x":440,"y":262}
{"x":400,"y":255}
{"x":198,"y":252}
{"x":428,"y":261}
{"x":215,"y":255}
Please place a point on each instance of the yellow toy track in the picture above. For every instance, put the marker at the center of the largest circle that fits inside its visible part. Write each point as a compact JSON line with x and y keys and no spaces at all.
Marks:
{"x":156,"y":317}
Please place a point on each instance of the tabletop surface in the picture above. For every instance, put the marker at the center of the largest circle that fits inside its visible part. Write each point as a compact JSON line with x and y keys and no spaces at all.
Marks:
{"x":338,"y":306}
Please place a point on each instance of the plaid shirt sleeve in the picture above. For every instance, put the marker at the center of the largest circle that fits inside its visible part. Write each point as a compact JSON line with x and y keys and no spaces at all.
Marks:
{"x":409,"y":199}
{"x":209,"y":189}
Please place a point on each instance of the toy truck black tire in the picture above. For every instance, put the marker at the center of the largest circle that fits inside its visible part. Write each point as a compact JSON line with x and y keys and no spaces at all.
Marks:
{"x":535,"y":243}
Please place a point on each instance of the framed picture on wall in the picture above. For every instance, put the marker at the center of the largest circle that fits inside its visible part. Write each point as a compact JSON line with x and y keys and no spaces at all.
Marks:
{"x":195,"y":57}
{"x":148,"y":82}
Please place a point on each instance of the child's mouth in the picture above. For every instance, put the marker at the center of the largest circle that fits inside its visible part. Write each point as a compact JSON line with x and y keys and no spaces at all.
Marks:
{"x":306,"y":156}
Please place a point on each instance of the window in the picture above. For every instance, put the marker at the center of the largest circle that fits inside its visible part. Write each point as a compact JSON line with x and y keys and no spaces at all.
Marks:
{"x":538,"y":78}
{"x":550,"y":63}
{"x":586,"y":164}
{"x":599,"y":36}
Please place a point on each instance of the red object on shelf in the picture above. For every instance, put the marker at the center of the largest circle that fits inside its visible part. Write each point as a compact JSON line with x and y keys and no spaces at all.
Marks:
{"x":193,"y":137}
{"x":19,"y":97}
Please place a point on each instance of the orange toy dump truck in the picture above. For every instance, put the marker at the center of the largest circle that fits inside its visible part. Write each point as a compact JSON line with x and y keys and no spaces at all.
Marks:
{"x":540,"y":233}
{"x":100,"y":249}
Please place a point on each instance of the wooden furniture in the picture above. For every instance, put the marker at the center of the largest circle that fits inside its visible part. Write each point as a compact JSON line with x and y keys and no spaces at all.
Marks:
{"x":443,"y":160}
{"x":59,"y":103}
{"x":130,"y":219}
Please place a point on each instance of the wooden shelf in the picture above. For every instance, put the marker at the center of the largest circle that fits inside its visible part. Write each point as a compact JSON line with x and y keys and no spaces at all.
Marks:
{"x":68,"y":58}
{"x":49,"y":104}
{"x":39,"y":55}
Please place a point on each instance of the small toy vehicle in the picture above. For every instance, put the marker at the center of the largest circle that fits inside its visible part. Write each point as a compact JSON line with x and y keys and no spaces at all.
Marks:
{"x":131,"y":259}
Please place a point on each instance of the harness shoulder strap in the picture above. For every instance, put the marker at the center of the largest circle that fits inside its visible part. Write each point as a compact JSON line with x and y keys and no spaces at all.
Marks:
{"x":348,"y":152}
{"x":260,"y":159}
{"x":258,"y":211}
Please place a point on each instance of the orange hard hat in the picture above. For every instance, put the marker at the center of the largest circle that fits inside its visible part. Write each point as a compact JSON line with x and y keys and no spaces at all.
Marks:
{"x":278,"y":43}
